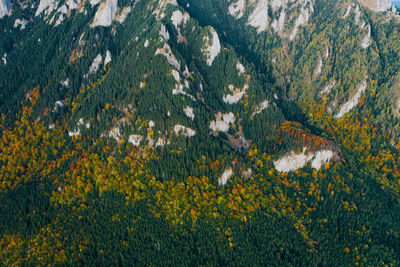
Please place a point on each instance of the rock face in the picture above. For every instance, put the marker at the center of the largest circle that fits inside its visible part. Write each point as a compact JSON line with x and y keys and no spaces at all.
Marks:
{"x":237,"y":8}
{"x":295,"y":161}
{"x":45,"y":5}
{"x":376,"y":5}
{"x":95,"y":65}
{"x":106,"y":13}
{"x":108,"y":58}
{"x":226,"y":175}
{"x":259,"y":17}
{"x":349,"y":105}
{"x":135,"y":139}
{"x":182,"y":130}
{"x":189,"y":112}
{"x":222,"y":122}
{"x":22,"y":23}
{"x":211,"y":47}
{"x":5,"y":8}
{"x":277,"y":14}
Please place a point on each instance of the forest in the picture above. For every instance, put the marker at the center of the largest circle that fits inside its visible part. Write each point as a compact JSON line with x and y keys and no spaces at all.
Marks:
{"x":89,"y":202}
{"x":120,"y":162}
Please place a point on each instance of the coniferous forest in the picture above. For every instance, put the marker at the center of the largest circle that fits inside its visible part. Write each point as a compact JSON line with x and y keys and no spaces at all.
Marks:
{"x":199,"y":133}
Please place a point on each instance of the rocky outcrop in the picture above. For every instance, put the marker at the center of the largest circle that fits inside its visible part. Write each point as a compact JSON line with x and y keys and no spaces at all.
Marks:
{"x":376,"y":5}
{"x":5,"y":8}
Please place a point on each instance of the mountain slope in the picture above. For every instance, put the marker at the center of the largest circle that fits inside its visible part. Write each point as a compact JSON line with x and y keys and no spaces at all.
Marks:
{"x":199,"y":133}
{"x":181,"y":80}
{"x":318,"y":59}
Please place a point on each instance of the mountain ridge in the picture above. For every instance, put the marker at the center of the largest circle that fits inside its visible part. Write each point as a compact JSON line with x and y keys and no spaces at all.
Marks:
{"x":365,"y":42}
{"x":199,"y":133}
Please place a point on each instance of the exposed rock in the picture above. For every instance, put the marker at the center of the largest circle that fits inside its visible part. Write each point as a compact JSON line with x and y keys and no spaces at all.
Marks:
{"x":211,"y":47}
{"x":237,"y":8}
{"x":78,"y":131}
{"x":366,"y":41}
{"x":226,"y":175}
{"x":160,"y":142}
{"x":236,"y":93}
{"x":108,"y":58}
{"x":222,"y":122}
{"x":327,"y":89}
{"x":75,"y":133}
{"x":260,"y":107}
{"x":123,"y":14}
{"x":105,"y":13}
{"x":229,"y":117}
{"x":46,"y":5}
{"x":293,"y":161}
{"x":164,"y":33}
{"x":95,"y":65}
{"x":5,"y":8}
{"x":259,"y":16}
{"x":58,"y":105}
{"x":278,"y":25}
{"x":349,"y":105}
{"x":159,"y":11}
{"x":320,"y":158}
{"x":357,"y":14}
{"x":326,"y":52}
{"x":135,"y":139}
{"x":318,"y":69}
{"x":21,"y":23}
{"x":247,"y":174}
{"x":182,"y":130}
{"x":94,"y":2}
{"x":233,"y":98}
{"x":65,"y":83}
{"x":240,"y":68}
{"x":178,"y":18}
{"x":302,"y":19}
{"x":176,"y":75}
{"x":189,"y":112}
{"x":171,"y":59}
{"x":4,"y":58}
{"x":347,"y":13}
{"x":376,"y":5}
{"x":282,"y":10}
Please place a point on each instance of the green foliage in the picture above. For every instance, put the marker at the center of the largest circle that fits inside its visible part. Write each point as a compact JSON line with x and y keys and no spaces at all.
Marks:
{"x":96,"y":199}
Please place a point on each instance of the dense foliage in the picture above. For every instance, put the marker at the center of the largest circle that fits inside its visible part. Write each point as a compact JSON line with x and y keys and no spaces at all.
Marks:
{"x":76,"y":190}
{"x":74,"y":201}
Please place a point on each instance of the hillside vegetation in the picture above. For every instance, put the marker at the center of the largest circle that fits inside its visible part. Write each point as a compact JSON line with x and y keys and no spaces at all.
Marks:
{"x":199,"y":133}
